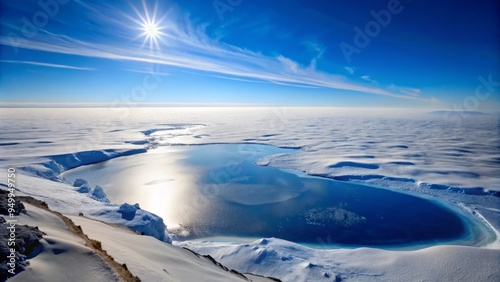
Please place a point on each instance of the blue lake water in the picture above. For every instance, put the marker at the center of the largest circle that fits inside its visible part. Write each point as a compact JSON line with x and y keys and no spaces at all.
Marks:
{"x":218,"y":190}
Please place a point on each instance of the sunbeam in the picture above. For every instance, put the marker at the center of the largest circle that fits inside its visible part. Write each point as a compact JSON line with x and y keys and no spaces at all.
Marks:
{"x":150,"y":25}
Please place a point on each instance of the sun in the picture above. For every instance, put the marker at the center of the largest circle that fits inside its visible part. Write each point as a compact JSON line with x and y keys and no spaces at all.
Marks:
{"x":151,"y":30}
{"x":149,"y":25}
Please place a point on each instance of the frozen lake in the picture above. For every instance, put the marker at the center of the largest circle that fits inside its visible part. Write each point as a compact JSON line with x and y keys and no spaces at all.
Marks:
{"x":218,"y":191}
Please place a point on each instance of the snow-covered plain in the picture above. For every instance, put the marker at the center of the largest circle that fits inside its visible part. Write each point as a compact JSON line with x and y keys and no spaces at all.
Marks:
{"x":451,"y":157}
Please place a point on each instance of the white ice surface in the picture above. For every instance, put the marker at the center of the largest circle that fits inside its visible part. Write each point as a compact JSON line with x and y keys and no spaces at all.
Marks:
{"x":396,"y":149}
{"x":452,"y":150}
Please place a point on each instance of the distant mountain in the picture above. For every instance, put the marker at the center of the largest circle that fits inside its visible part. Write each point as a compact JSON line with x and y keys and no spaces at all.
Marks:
{"x":467,"y":113}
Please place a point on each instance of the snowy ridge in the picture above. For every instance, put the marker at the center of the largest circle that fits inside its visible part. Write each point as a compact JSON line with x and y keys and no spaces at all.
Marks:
{"x":59,"y":163}
{"x":61,"y":256}
{"x":152,"y":260}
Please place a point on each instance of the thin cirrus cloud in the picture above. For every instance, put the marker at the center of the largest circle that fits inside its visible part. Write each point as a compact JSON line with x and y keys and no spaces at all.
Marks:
{"x":46,"y":65}
{"x":185,"y":46}
{"x":350,"y":70}
{"x":368,"y":78}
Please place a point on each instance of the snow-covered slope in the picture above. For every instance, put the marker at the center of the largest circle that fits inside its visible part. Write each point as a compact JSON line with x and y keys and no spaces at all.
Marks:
{"x":153,"y":260}
{"x":62,"y":256}
{"x":294,"y":262}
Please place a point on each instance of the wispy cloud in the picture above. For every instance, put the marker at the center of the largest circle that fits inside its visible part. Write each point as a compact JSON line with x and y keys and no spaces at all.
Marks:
{"x":187,"y":46}
{"x":318,"y":48}
{"x":369,"y":79}
{"x":405,"y":90}
{"x":45,"y":65}
{"x":350,"y":70}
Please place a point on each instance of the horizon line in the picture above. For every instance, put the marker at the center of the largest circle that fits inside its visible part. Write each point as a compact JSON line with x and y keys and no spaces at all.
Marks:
{"x":121,"y":105}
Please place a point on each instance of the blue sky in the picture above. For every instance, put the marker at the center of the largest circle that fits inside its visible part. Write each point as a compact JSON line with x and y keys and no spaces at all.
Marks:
{"x":441,"y":54}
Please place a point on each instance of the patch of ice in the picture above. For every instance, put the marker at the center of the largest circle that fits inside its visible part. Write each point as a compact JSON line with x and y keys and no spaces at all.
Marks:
{"x":99,"y":195}
{"x":128,"y":211}
{"x":79,"y":182}
{"x":83,"y":189}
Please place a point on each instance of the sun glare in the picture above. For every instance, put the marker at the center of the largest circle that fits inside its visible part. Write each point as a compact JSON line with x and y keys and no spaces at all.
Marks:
{"x":149,"y":25}
{"x":151,"y":30}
